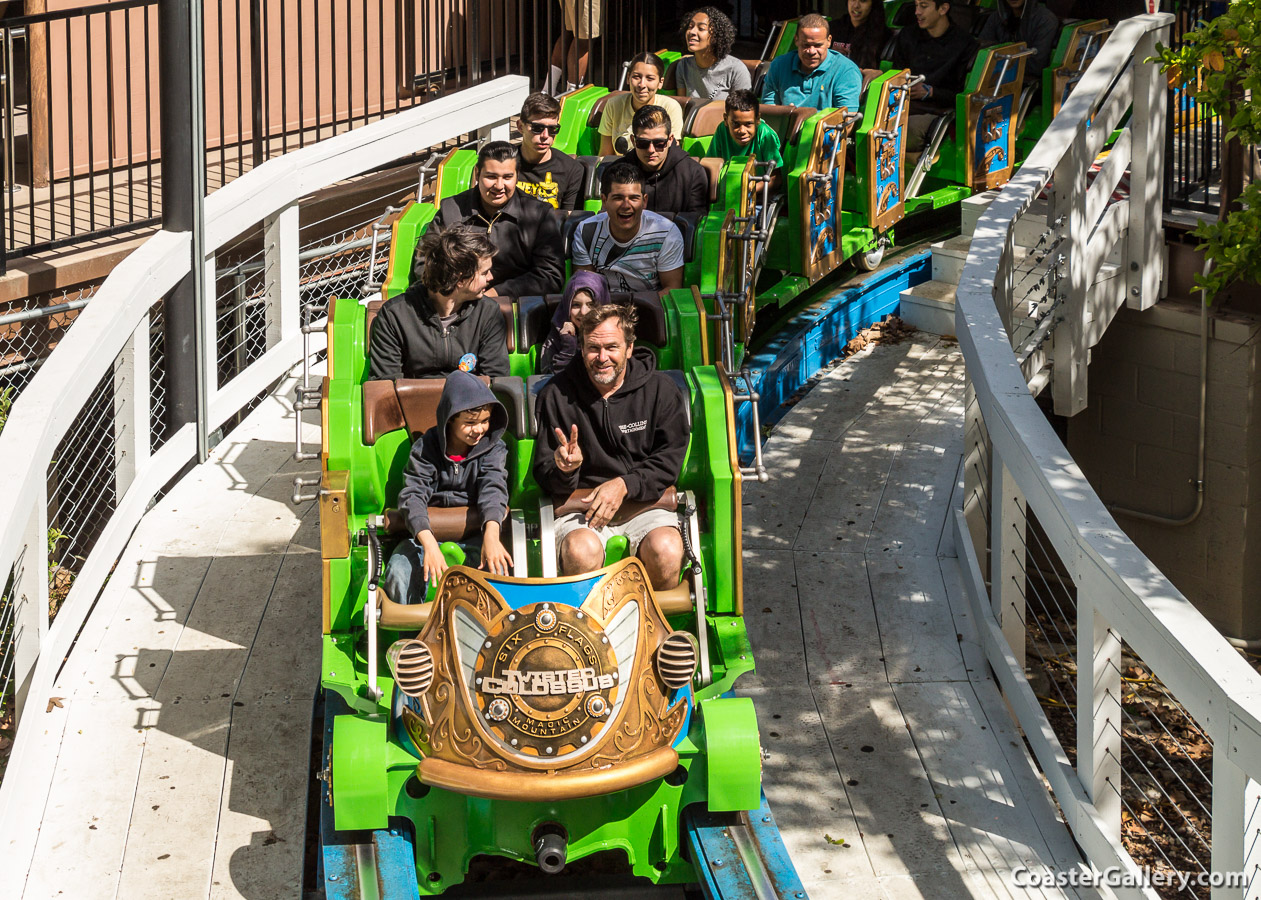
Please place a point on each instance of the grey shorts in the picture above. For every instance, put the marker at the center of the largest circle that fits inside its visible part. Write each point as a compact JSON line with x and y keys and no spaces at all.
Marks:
{"x":634,"y":530}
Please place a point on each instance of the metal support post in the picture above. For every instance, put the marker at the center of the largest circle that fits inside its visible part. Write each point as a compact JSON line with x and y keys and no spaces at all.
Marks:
{"x":1236,"y":830}
{"x":1068,"y":344}
{"x":280,"y":250}
{"x":183,"y":197}
{"x":1144,"y":272}
{"x":258,"y":91}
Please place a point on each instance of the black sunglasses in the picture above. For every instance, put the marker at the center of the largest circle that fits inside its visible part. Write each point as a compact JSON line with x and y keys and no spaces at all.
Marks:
{"x":656,"y":143}
{"x":539,"y":127}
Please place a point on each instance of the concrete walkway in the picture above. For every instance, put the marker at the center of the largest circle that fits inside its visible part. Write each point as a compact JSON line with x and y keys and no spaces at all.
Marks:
{"x":187,"y":700}
{"x":890,"y":761}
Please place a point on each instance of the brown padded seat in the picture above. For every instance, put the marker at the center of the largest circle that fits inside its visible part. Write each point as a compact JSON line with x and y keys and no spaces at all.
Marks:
{"x":505,"y":307}
{"x":706,"y":120}
{"x":536,"y":317}
{"x":787,"y":121}
{"x":669,"y":500}
{"x":593,"y":121}
{"x":448,"y":523}
{"x":713,"y":168}
{"x":407,"y":402}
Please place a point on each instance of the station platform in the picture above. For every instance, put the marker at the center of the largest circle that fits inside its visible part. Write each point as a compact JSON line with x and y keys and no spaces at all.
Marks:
{"x":186,"y":704}
{"x":889,"y":758}
{"x":890,"y":762}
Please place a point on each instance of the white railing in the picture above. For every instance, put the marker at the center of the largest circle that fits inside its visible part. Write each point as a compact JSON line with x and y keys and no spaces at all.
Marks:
{"x":112,"y":335}
{"x":1027,"y":474}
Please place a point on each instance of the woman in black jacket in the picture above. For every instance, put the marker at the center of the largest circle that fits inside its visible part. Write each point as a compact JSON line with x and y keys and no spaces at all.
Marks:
{"x":862,"y":33}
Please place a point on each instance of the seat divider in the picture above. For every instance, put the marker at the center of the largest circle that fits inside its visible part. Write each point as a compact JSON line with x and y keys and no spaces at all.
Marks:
{"x":520,"y":560}
{"x":547,"y":538}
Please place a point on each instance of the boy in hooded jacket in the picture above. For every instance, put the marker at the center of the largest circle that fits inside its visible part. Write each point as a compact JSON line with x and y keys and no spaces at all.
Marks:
{"x":461,"y":461}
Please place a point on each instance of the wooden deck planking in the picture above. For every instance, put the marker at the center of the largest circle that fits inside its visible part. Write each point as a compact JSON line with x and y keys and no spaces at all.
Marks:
{"x":206,"y":610}
{"x":943,"y":803}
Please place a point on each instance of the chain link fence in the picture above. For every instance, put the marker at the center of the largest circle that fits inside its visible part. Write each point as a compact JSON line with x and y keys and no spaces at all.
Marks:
{"x":29,"y":331}
{"x":82,"y":480}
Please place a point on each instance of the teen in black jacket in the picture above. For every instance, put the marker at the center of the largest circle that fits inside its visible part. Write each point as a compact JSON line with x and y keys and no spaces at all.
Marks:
{"x":639,"y":434}
{"x":443,"y":316}
{"x":409,"y":341}
{"x":673,"y":181}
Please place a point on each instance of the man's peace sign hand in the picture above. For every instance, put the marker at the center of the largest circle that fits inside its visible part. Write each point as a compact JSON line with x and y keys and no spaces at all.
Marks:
{"x":568,"y":454}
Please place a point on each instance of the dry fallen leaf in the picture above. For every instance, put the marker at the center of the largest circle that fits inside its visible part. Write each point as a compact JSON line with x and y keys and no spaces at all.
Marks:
{"x":54,"y":701}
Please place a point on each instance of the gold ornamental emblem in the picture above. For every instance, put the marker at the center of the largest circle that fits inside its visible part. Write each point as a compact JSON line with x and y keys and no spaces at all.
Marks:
{"x":532,"y":695}
{"x":547,"y":681}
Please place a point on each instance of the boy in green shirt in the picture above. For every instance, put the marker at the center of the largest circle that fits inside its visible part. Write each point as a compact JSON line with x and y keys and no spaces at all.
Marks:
{"x":743,"y":133}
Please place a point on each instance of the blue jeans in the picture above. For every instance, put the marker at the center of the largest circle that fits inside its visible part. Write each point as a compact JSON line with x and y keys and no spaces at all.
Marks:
{"x":404,"y":576}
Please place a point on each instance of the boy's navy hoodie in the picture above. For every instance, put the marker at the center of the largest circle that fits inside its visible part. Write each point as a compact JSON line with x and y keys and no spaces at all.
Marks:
{"x":480,"y":479}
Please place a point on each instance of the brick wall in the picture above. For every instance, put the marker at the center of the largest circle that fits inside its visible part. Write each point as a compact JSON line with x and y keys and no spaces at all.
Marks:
{"x":1137,"y":443}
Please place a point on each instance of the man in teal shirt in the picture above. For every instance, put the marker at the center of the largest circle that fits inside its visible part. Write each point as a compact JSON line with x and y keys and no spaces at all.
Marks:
{"x":816,"y":75}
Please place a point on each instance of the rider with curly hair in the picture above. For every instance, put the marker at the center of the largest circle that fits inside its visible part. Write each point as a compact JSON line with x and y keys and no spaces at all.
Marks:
{"x":710,"y":71}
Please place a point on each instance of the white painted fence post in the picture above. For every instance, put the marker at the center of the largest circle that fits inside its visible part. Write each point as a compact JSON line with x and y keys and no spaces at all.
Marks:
{"x":284,"y":298}
{"x":1236,"y":829}
{"x":1008,"y":534}
{"x":976,"y":479}
{"x":1068,"y":342}
{"x":131,"y":407}
{"x":1144,"y":257}
{"x":30,"y":599}
{"x":1099,"y":710}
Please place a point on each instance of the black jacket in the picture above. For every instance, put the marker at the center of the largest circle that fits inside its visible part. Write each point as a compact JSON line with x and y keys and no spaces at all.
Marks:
{"x":408,"y":340}
{"x":480,"y":479}
{"x":639,"y":433}
{"x":943,"y":61}
{"x":680,"y":185}
{"x":1037,"y":26}
{"x":865,"y":43}
{"x":531,"y":252}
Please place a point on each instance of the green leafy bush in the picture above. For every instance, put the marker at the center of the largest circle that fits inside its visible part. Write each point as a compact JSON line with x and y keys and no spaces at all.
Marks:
{"x":1219,"y":62}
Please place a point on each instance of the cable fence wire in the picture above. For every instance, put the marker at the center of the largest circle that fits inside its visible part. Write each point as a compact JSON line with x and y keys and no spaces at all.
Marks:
{"x":8,"y":665}
{"x":30,"y":330}
{"x":1050,"y":617}
{"x":1165,"y":757}
{"x":81,"y":490}
{"x":1166,"y":784}
{"x":157,"y":376}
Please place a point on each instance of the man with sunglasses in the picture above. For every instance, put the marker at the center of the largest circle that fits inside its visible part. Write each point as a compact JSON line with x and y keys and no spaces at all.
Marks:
{"x":543,"y":171}
{"x":673,"y":181}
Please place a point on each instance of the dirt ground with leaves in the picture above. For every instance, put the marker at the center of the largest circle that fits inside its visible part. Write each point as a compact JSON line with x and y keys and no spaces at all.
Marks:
{"x":1166,"y":759}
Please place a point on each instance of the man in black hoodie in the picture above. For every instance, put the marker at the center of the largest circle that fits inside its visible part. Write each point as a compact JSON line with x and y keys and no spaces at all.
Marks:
{"x":461,"y":461}
{"x":673,"y":181}
{"x":1023,"y":20}
{"x":531,"y":251}
{"x":443,"y":321}
{"x":611,"y":422}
